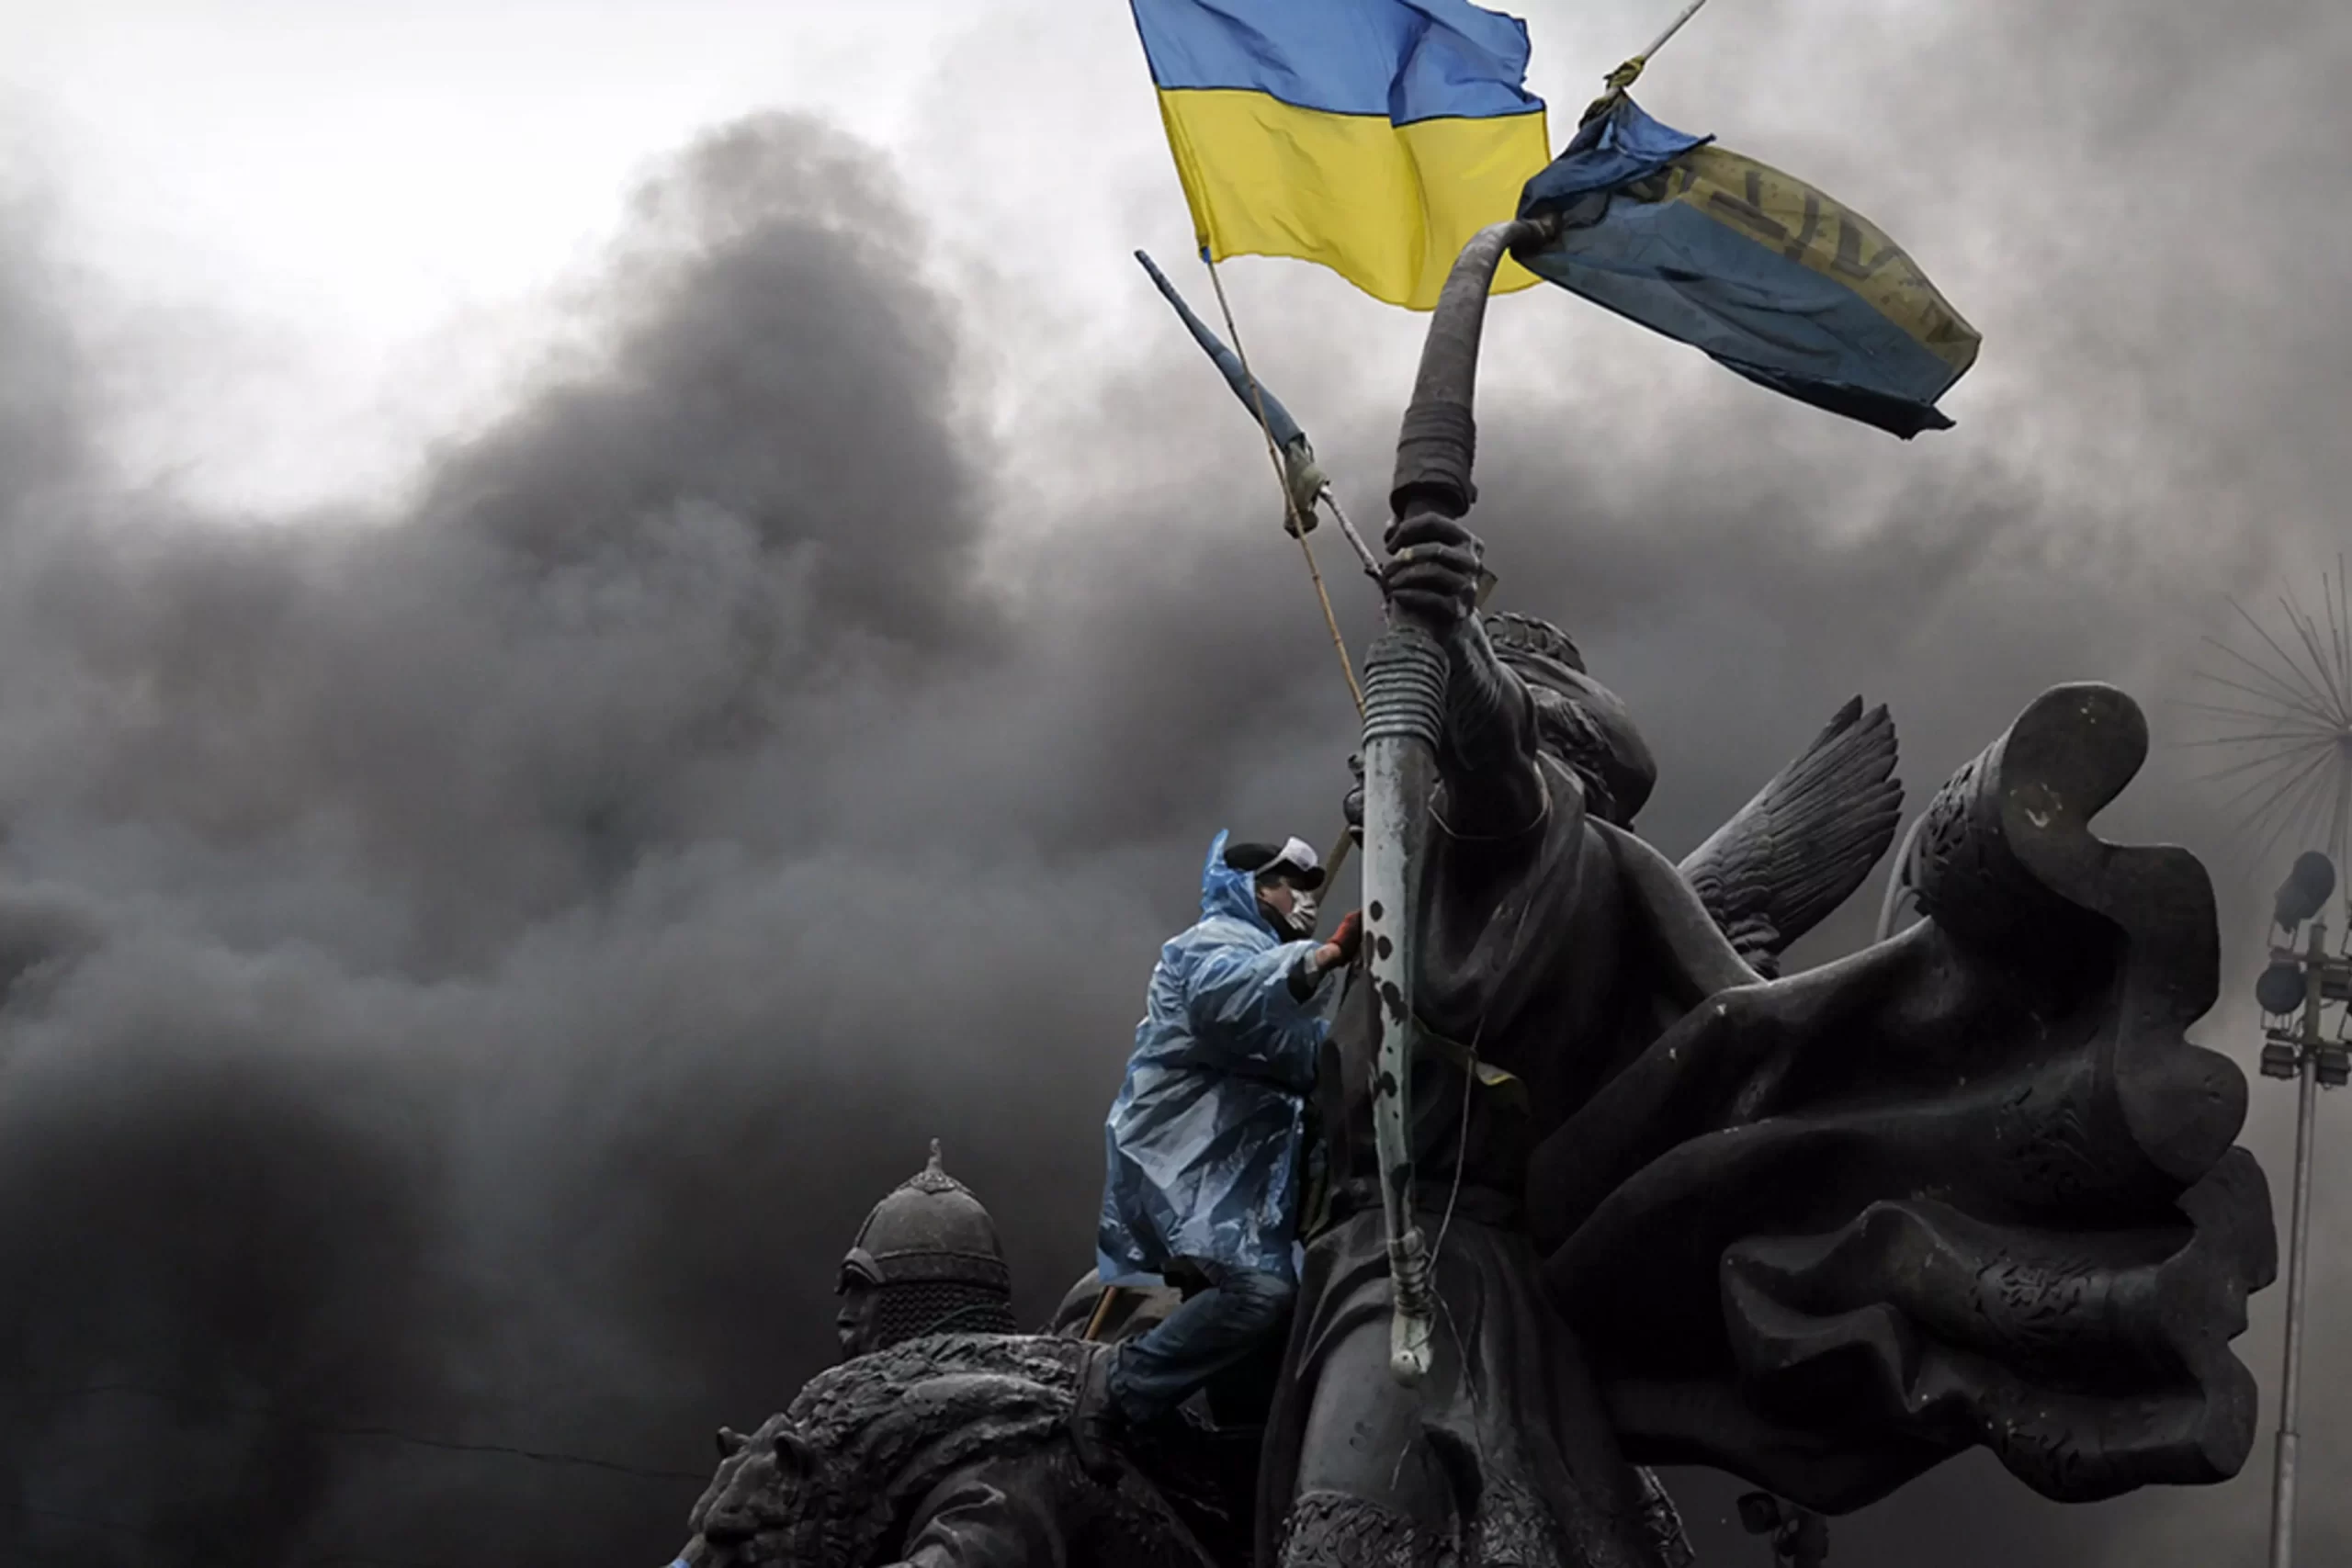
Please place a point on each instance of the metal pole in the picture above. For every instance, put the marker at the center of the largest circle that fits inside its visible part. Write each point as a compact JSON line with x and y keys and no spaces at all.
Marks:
{"x":2282,"y":1503}
{"x":1355,"y":540}
{"x":1625,"y":75}
{"x":1672,"y":28}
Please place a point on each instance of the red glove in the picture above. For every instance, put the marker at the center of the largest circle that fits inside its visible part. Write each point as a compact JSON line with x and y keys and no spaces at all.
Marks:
{"x":1348,"y":938}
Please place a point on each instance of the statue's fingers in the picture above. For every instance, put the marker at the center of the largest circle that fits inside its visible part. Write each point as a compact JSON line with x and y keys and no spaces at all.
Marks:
{"x":1435,"y":610}
{"x":1460,"y":554}
{"x":1429,"y":529}
{"x":1425,"y":558}
{"x":1431,"y":577}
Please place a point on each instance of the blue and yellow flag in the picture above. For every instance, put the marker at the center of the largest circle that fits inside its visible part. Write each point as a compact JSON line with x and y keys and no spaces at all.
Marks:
{"x":1373,"y":136}
{"x":1762,"y":272}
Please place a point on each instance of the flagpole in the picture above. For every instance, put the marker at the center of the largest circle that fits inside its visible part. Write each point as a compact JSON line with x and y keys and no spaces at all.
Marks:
{"x":1298,"y":526}
{"x":1329,"y":498}
{"x":1625,"y":75}
{"x":1672,"y":28}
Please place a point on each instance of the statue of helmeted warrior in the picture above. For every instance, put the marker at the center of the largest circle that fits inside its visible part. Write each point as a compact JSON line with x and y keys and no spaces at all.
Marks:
{"x":925,"y":1261}
{"x":941,"y":1440}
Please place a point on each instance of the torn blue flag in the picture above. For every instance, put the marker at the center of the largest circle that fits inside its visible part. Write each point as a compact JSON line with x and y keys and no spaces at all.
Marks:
{"x":1761,"y":272}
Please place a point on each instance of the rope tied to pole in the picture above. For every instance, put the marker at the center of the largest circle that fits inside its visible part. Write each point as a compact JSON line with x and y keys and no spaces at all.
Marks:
{"x":1294,"y":525}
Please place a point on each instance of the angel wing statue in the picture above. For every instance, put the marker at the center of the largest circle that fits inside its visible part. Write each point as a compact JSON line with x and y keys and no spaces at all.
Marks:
{"x":1802,"y":846}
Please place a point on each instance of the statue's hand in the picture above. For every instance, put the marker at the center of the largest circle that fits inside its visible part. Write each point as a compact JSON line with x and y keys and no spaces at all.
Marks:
{"x":1431,"y":577}
{"x":1351,"y":805}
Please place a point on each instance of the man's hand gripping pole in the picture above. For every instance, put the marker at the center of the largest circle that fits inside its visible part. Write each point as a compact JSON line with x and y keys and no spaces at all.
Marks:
{"x":1405,"y":678}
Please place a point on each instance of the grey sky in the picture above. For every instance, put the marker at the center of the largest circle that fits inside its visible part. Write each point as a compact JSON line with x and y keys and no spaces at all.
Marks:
{"x":566,"y":701}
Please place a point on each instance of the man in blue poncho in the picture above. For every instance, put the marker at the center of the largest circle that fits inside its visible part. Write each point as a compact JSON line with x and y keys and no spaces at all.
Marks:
{"x":1204,"y":1143}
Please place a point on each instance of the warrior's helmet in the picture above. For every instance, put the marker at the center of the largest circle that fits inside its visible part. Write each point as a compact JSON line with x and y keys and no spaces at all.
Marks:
{"x":927,"y":1256}
{"x":1578,"y":719}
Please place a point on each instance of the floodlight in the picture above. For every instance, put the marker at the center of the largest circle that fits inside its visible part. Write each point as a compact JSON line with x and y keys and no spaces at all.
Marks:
{"x":2281,"y":989}
{"x":2305,"y":893}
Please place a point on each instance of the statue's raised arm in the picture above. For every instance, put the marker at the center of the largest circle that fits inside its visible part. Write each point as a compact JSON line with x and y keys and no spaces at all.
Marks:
{"x":1486,"y":752}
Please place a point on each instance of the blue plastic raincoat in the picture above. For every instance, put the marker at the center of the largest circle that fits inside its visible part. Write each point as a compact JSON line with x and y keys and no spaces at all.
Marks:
{"x":1202,"y":1143}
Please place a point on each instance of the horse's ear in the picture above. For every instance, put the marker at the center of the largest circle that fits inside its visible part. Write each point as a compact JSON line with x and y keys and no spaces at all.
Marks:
{"x":794,"y":1455}
{"x":731,"y":1442}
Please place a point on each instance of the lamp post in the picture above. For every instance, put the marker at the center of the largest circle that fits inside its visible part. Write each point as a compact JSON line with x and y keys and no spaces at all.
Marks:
{"x":2295,"y":991}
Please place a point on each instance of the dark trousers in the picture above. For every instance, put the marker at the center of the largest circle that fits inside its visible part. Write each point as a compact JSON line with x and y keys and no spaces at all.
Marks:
{"x":1216,"y":1330}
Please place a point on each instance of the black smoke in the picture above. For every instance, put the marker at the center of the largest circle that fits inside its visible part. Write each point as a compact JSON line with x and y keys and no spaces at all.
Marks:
{"x":470,"y":965}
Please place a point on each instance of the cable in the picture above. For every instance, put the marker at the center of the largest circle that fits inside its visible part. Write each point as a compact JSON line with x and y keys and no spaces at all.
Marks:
{"x":1453,"y":1193}
{"x":386,"y":1434}
{"x":1469,"y":1081}
{"x":179,"y":1539}
{"x":1290,"y":502}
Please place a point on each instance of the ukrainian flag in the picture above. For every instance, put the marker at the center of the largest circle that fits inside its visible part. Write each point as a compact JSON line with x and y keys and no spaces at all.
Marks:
{"x":1372,"y":136}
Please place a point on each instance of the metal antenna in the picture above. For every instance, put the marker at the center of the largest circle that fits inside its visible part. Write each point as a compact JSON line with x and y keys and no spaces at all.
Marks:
{"x":2277,"y":713}
{"x":2280,"y":715}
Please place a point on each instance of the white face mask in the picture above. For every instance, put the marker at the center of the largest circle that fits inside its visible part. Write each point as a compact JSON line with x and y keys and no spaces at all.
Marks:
{"x":1302,"y":909}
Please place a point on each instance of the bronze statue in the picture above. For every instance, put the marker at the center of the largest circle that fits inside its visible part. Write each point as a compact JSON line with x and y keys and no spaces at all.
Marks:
{"x":1605,"y":1193}
{"x":1532,"y":926}
{"x":1631,"y":1203}
{"x":1969,"y":1187}
{"x":941,"y":1440}
{"x":945,"y":1451}
{"x":925,"y":1261}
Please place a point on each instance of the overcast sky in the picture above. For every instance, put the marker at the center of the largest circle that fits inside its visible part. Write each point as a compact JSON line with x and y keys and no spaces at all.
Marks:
{"x":611,"y":615}
{"x":354,"y":221}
